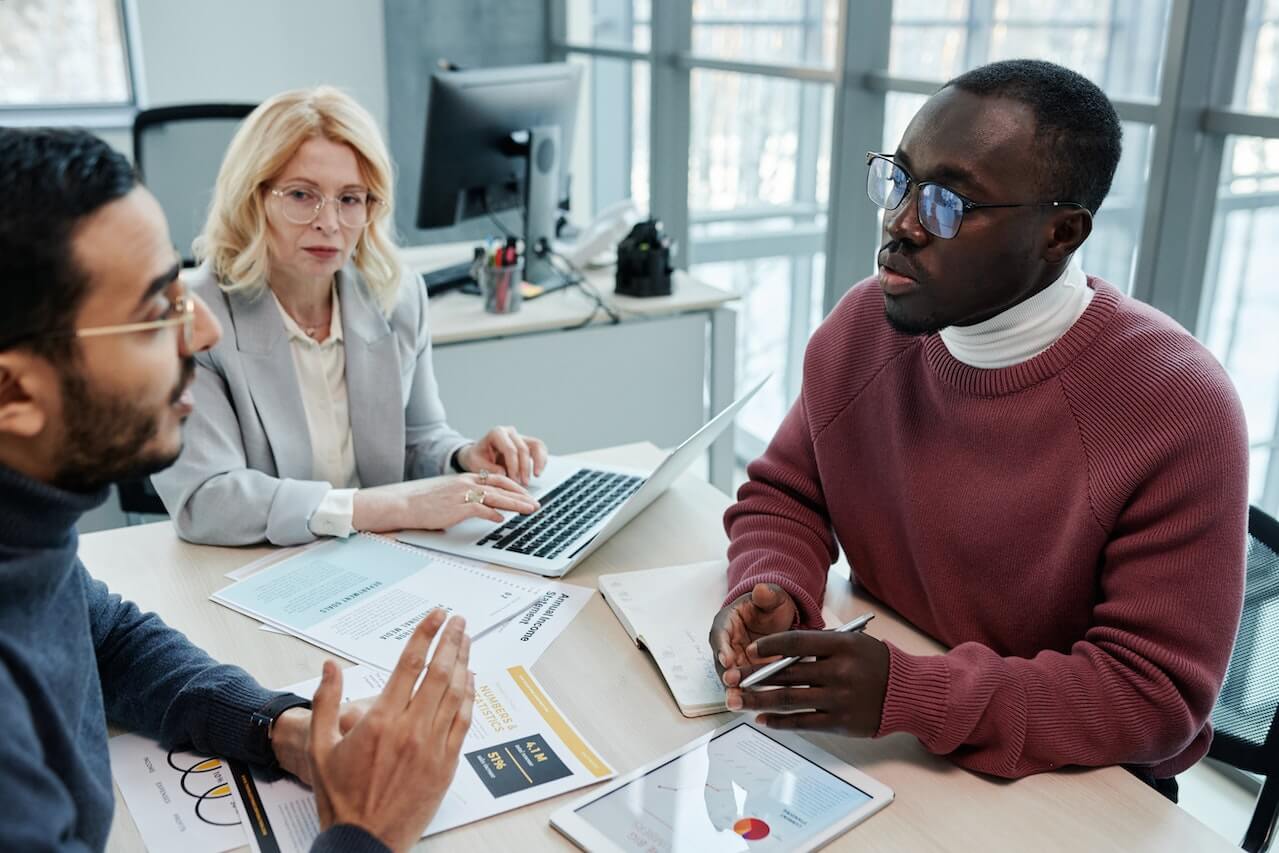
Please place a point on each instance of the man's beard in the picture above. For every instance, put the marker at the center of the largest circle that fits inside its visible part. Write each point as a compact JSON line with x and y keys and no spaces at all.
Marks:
{"x":104,"y":438}
{"x":910,"y":326}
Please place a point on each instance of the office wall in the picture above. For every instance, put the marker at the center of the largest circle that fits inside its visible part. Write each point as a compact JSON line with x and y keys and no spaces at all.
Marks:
{"x":469,"y":33}
{"x":241,"y":50}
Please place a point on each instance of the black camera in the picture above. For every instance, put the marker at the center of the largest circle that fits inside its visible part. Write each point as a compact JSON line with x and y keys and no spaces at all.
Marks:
{"x":644,"y":261}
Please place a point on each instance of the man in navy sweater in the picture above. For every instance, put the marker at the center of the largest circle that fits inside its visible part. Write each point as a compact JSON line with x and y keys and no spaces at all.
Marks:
{"x":97,"y":337}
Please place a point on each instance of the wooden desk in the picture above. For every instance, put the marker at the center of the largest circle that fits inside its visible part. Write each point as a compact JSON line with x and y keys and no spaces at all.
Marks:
{"x":559,"y":370}
{"x":615,"y":695}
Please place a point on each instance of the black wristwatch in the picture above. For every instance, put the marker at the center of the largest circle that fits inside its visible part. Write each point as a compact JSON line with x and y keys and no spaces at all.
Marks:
{"x":263,"y":719}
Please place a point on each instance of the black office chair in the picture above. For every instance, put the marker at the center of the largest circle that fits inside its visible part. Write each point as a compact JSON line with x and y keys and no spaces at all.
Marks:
{"x":178,"y":151}
{"x":138,"y":498}
{"x":1246,"y":718}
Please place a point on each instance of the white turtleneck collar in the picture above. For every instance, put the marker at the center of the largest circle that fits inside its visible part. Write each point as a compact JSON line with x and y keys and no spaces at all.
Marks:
{"x":1024,"y":330}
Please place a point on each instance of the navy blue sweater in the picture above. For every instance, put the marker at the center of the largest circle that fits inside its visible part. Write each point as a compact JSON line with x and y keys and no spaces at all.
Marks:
{"x":72,"y":655}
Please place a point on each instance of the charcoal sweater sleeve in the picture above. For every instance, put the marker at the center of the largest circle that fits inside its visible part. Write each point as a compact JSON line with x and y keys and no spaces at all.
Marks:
{"x":157,"y":683}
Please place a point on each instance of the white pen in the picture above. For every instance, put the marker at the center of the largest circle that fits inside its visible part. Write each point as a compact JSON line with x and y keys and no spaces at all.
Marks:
{"x":778,"y":665}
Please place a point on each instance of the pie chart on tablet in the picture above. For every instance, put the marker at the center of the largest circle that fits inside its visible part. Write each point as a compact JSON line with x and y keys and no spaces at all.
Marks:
{"x":751,"y":828}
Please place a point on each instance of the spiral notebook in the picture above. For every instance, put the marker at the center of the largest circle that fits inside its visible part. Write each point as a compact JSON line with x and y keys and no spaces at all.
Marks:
{"x":362,"y":597}
{"x":668,"y":612}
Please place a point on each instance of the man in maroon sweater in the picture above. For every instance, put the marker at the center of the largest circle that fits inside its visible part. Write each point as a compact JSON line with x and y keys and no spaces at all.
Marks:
{"x":1045,"y":475}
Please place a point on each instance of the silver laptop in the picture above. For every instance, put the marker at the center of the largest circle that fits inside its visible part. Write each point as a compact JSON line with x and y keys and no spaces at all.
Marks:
{"x":581,"y":508}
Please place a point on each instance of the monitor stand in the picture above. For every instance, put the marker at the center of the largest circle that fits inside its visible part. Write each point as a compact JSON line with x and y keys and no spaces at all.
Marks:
{"x":541,"y":202}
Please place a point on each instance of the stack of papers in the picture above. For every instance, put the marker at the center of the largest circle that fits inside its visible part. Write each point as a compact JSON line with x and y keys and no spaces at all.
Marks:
{"x":362,"y":597}
{"x":520,"y":749}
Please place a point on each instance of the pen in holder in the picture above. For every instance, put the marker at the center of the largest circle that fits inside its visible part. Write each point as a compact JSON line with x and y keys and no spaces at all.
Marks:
{"x":500,"y":286}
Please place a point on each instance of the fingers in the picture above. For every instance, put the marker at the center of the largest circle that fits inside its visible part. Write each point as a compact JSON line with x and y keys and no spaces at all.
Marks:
{"x":799,"y":643}
{"x":496,"y":480}
{"x":768,"y":597}
{"x":350,"y":714}
{"x":429,"y":694}
{"x":324,"y":709}
{"x":462,"y":719}
{"x":523,"y":455}
{"x":512,"y":501}
{"x":814,"y":674}
{"x":811,"y":721}
{"x":540,"y":455}
{"x":500,"y":438}
{"x":454,"y":693}
{"x":781,"y":699}
{"x":399,"y":687}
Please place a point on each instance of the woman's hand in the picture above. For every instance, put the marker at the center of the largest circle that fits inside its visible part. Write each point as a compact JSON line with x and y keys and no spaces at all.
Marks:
{"x":438,"y":502}
{"x":503,"y":450}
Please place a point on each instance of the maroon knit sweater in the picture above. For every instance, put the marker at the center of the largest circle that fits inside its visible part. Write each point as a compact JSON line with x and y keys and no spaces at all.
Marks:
{"x":1072,"y":527}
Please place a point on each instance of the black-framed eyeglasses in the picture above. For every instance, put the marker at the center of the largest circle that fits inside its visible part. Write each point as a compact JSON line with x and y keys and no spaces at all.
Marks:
{"x":941,"y":210}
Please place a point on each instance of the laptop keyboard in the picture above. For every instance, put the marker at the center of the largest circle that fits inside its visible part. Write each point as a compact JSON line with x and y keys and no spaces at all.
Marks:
{"x":567,"y":510}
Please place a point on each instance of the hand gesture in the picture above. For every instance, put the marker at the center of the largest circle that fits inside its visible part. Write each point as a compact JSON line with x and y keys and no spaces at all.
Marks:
{"x":842,"y":690}
{"x":504,"y":451}
{"x":389,"y":773}
{"x":764,"y":610}
{"x":438,"y":503}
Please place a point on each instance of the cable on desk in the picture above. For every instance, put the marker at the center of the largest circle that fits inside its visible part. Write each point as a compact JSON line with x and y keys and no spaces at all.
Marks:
{"x":506,"y":232}
{"x":575,"y":277}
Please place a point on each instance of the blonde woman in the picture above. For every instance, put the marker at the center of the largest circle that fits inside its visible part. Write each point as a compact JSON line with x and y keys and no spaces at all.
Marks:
{"x":318,"y":413}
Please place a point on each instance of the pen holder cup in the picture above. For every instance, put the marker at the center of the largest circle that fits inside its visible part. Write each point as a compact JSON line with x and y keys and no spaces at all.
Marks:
{"x":500,"y":287}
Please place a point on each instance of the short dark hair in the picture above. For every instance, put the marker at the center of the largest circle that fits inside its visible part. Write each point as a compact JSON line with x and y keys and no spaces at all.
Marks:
{"x":50,"y":180}
{"x":1074,"y":120}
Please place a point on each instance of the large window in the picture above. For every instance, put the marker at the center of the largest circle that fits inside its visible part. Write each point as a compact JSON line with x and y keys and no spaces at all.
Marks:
{"x":1189,"y":223}
{"x":1241,"y":294}
{"x":610,"y":150}
{"x":794,"y":32}
{"x":63,"y":53}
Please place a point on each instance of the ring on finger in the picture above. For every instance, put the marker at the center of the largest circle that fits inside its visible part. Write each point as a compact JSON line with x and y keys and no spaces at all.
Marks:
{"x":483,"y":475}
{"x":474,"y":496}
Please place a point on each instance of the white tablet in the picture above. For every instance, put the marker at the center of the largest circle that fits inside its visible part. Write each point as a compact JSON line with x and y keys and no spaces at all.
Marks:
{"x":738,"y":788}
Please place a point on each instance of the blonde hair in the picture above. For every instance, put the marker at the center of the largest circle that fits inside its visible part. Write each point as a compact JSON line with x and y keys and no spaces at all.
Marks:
{"x":234,"y":239}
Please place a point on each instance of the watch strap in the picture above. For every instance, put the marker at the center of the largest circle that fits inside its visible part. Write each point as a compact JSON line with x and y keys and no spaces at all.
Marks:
{"x":263,"y":719}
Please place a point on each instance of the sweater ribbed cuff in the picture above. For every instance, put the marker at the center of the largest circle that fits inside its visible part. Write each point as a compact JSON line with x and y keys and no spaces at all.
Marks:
{"x":346,"y":838}
{"x":227,"y":721}
{"x":915,"y":702}
{"x":810,"y":609}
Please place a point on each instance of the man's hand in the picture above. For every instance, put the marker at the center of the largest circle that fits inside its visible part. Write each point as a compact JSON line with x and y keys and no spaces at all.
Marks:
{"x":841,"y":690}
{"x":764,"y":610}
{"x":503,"y":450}
{"x":291,"y":735}
{"x":438,"y":503}
{"x":389,"y":773}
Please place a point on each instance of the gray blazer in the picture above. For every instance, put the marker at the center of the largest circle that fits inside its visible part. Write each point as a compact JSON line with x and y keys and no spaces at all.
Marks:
{"x":244,"y":474}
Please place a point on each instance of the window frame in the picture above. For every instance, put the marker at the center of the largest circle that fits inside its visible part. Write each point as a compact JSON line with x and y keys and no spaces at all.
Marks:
{"x":1191,"y":115}
{"x":103,"y":116}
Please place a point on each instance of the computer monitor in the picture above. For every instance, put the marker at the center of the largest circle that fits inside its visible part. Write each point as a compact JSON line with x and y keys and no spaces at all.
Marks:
{"x":496,"y":139}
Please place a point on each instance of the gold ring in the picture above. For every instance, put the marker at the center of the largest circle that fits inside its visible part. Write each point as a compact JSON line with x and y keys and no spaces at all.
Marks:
{"x":474,"y":496}
{"x":483,"y":476}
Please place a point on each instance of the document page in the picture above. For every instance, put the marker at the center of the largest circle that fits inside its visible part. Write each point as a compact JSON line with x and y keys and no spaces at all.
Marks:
{"x":670,"y":611}
{"x":362,"y":597}
{"x":520,"y":749}
{"x":522,"y":639}
{"x":178,"y":800}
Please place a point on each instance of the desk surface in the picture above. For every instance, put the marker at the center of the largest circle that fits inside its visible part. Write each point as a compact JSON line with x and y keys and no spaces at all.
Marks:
{"x":615,"y":695}
{"x":457,"y":317}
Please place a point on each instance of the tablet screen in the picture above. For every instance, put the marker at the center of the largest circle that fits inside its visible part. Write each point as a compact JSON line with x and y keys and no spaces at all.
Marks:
{"x":741,"y":790}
